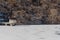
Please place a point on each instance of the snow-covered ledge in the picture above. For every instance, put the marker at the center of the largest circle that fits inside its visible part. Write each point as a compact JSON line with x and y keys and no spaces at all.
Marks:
{"x":30,"y":32}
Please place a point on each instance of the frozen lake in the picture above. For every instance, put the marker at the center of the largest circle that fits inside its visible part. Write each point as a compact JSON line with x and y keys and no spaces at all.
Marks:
{"x":42,"y":32}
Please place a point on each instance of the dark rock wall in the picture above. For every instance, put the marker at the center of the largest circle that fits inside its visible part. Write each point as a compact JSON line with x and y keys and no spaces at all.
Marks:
{"x":32,"y":11}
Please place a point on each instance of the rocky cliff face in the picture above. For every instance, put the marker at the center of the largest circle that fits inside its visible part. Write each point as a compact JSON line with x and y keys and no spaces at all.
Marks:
{"x":32,"y":11}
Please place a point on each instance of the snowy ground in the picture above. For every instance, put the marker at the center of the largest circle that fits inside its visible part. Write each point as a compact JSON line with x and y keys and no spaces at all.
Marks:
{"x":30,"y":32}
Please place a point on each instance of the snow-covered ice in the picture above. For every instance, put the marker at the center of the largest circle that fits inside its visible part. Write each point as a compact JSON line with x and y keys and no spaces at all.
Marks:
{"x":30,"y":32}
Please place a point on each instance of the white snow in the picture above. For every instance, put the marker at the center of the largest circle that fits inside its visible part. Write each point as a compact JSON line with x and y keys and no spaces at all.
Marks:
{"x":30,"y":32}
